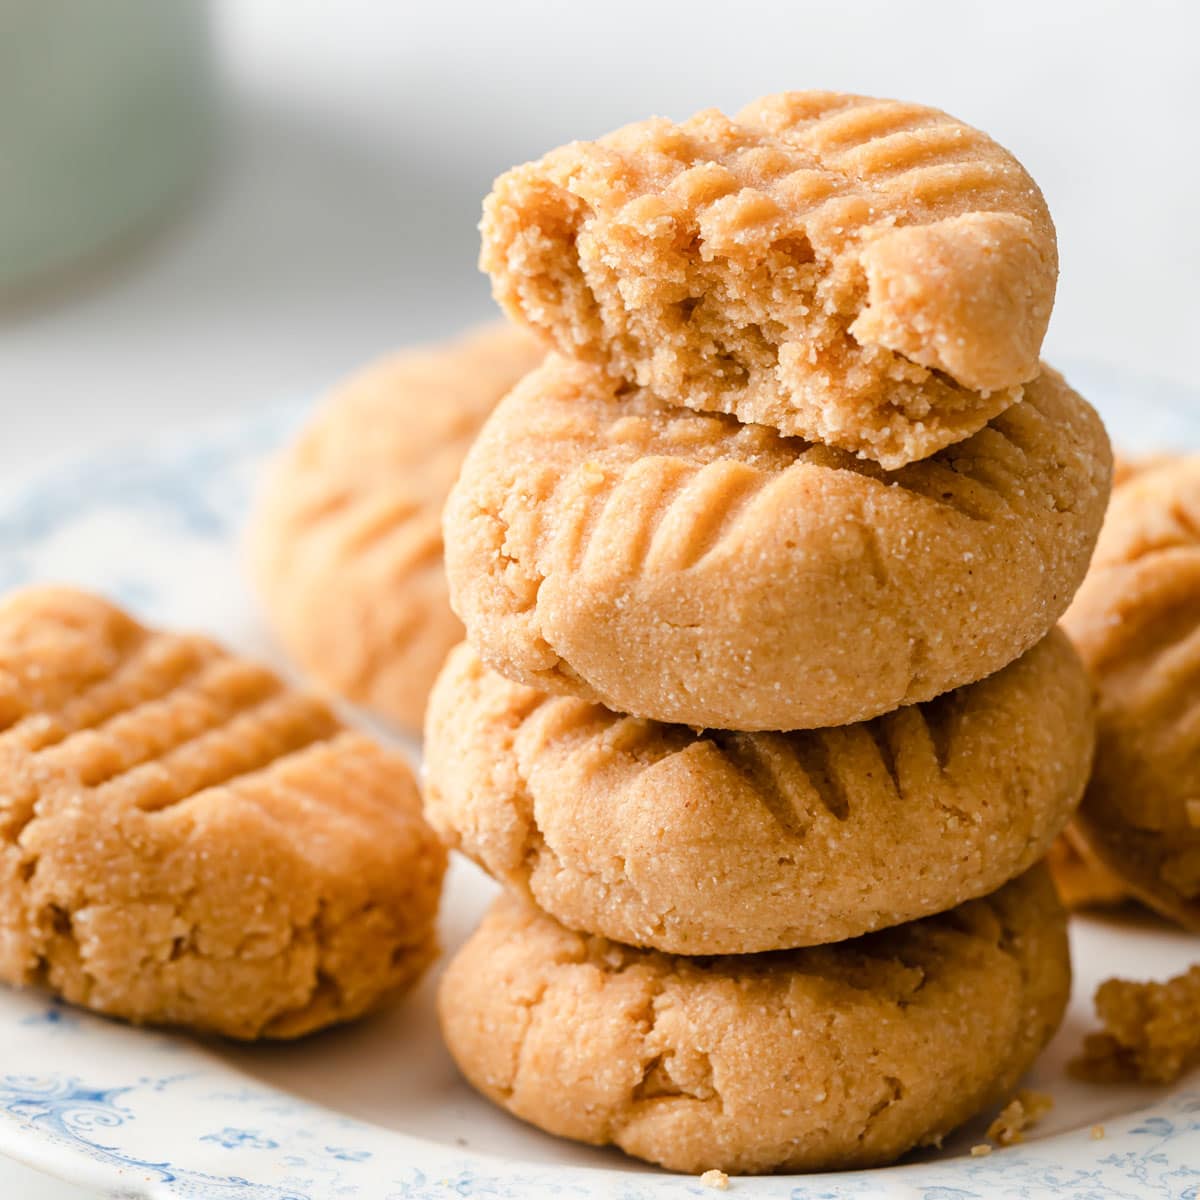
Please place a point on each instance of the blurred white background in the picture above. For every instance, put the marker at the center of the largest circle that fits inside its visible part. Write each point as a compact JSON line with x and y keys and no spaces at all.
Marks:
{"x":337,"y":217}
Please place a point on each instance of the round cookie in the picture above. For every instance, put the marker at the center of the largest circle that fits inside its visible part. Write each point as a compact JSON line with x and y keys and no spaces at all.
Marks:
{"x":864,"y":273}
{"x":816,"y":1059}
{"x":184,"y":841}
{"x":346,"y":543}
{"x":687,"y":568}
{"x":726,"y":843}
{"x":1136,"y":623}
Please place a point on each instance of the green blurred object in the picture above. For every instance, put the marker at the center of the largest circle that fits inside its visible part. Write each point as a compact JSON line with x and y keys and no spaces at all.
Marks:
{"x":106,"y":114}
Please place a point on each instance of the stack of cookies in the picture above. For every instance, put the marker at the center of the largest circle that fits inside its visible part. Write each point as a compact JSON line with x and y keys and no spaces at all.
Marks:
{"x":762,"y":720}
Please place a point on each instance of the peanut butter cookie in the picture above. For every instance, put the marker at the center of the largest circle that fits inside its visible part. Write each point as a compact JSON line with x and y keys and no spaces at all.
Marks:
{"x":865,"y":273}
{"x":816,"y":1059}
{"x":1136,"y":622}
{"x":732,"y":843}
{"x":347,"y":540}
{"x":687,"y":568}
{"x":184,"y":841}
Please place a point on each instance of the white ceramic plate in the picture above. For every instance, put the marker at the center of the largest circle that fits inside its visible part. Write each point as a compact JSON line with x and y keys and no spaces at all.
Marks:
{"x":376,"y":1111}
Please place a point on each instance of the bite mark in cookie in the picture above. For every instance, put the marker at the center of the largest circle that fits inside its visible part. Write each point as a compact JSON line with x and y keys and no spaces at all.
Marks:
{"x":868,"y":273}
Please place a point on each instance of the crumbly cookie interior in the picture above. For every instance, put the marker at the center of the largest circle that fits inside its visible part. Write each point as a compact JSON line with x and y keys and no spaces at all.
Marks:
{"x":781,"y":267}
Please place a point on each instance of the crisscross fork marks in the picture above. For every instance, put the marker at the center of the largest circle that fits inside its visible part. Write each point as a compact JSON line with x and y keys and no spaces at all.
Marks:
{"x":415,"y":544}
{"x":156,"y":666}
{"x":147,"y":731}
{"x":958,"y":490}
{"x":898,"y":152}
{"x":549,"y":720}
{"x":880,"y":731}
{"x":318,"y":506}
{"x":619,"y":534}
{"x":776,"y":776}
{"x":704,"y":513}
{"x":794,"y":775}
{"x":375,"y":518}
{"x":252,"y":741}
{"x":928,"y":731}
{"x":1025,"y":426}
{"x":839,"y":136}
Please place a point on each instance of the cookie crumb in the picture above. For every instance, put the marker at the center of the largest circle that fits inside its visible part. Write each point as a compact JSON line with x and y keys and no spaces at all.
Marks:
{"x":715,"y":1179}
{"x":1097,"y":1132}
{"x":981,"y":1151}
{"x":1150,"y":1031}
{"x":1021,"y":1113}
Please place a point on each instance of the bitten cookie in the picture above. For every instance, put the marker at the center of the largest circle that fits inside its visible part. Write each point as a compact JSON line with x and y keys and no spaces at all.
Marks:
{"x":817,"y":1059}
{"x":184,"y":841}
{"x":687,"y":568}
{"x":1136,"y":622}
{"x":728,"y":843}
{"x":865,"y":273}
{"x":346,"y":542}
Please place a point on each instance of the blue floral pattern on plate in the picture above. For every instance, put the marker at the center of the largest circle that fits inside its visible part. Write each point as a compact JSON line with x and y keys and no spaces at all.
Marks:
{"x":145,"y":1114}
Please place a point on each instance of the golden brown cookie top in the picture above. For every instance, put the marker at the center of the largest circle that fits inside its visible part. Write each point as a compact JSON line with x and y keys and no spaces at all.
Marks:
{"x":869,"y":273}
{"x":185,"y":840}
{"x":346,"y":540}
{"x":689,"y":568}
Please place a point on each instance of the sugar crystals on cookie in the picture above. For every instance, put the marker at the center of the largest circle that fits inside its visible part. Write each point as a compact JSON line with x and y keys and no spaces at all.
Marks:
{"x":186,"y":841}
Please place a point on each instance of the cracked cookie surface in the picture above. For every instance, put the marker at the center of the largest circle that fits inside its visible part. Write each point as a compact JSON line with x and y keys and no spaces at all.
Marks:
{"x":1136,"y":623}
{"x":186,"y":841}
{"x":346,"y":540}
{"x":687,"y":568}
{"x":866,"y":273}
{"x":816,"y":1059}
{"x":720,"y":843}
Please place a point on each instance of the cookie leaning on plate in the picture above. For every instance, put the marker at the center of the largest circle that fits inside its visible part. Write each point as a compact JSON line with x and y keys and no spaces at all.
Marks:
{"x":186,"y":841}
{"x":687,"y":568}
{"x":815,"y":1059}
{"x":1082,"y":881}
{"x":866,"y":273}
{"x":722,"y":843}
{"x":346,"y":538}
{"x":1136,"y":623}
